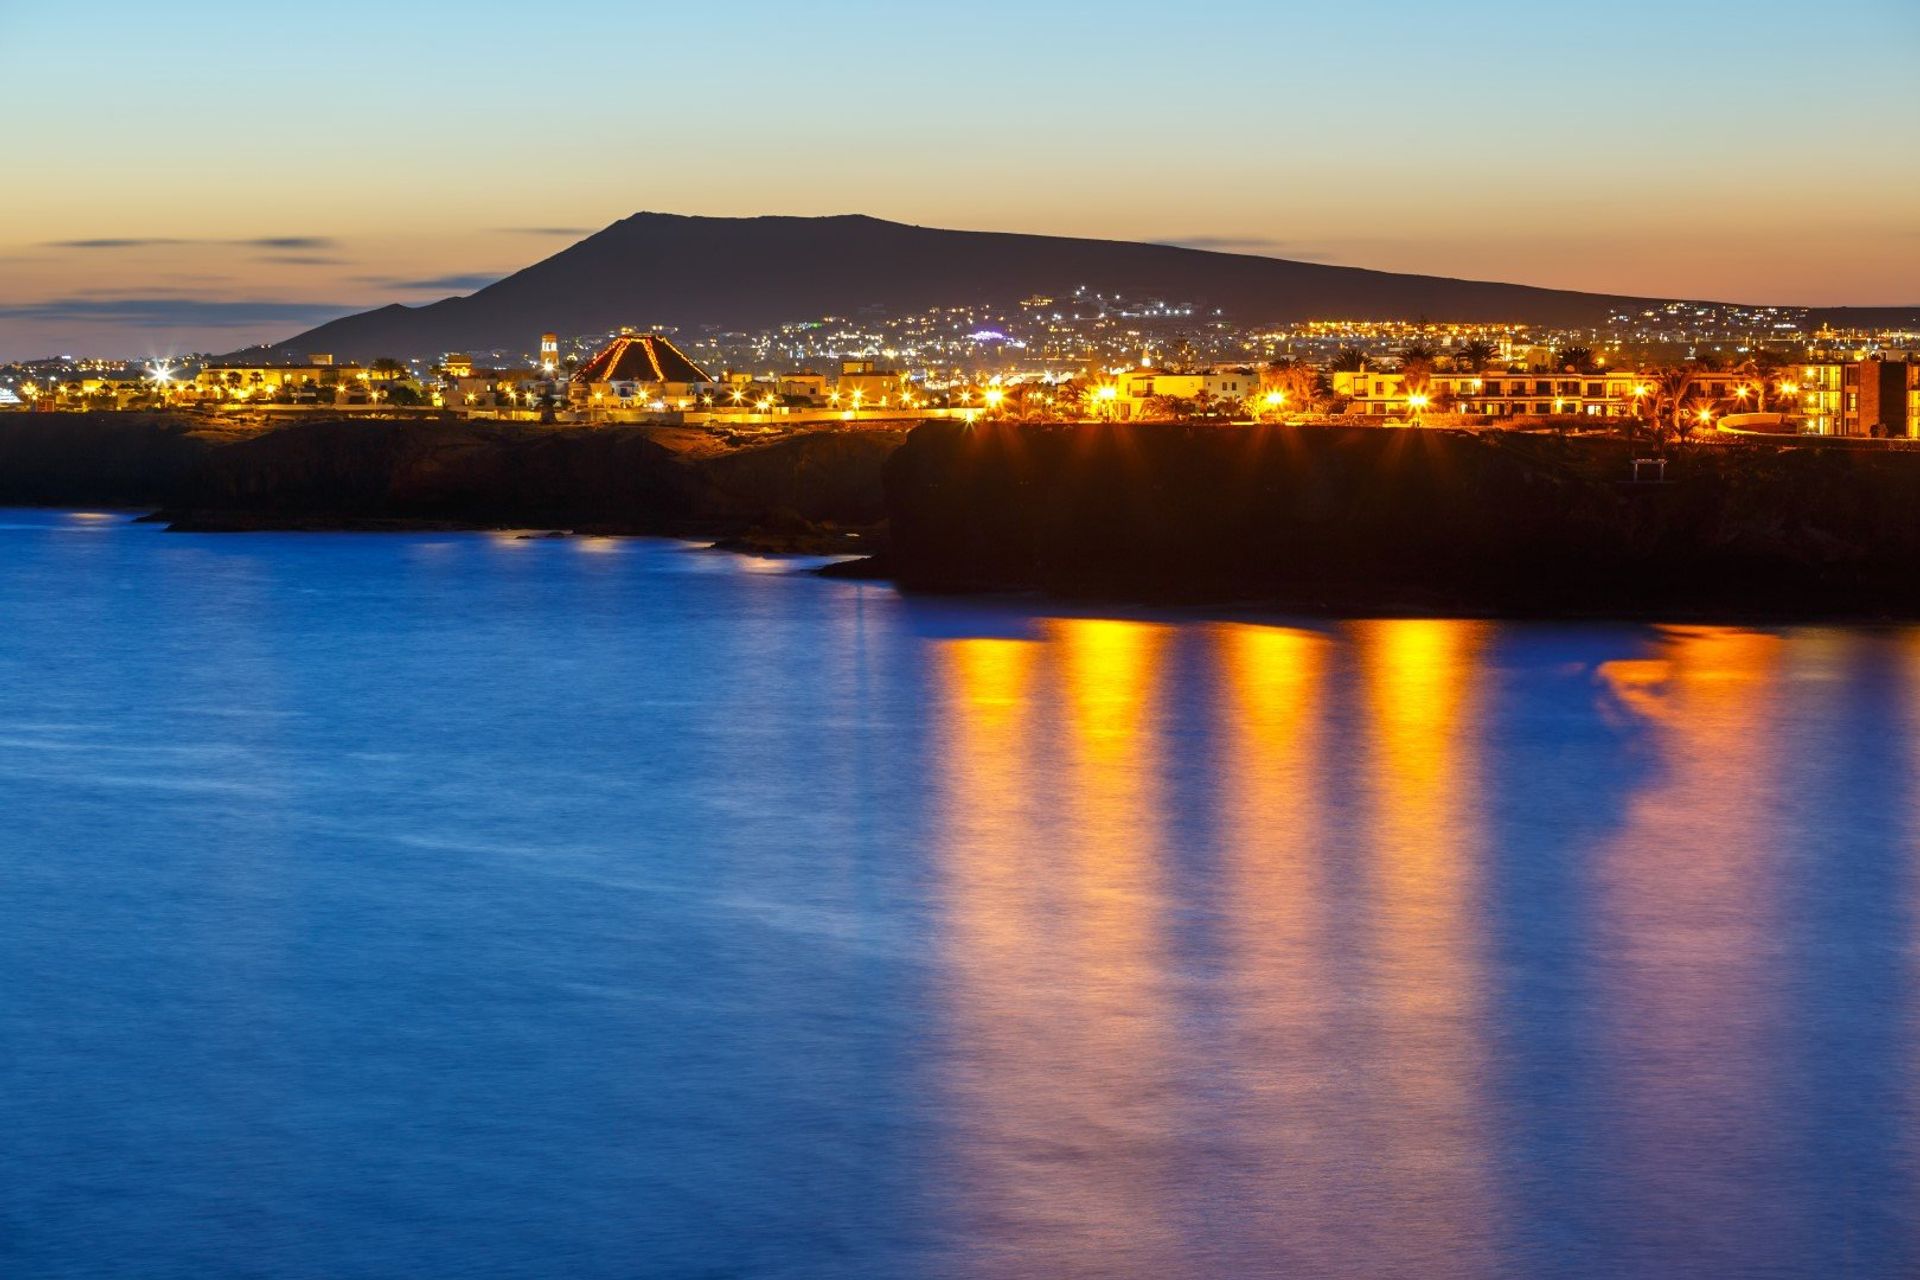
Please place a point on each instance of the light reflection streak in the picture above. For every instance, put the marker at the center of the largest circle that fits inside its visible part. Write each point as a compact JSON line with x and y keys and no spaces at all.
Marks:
{"x":1052,"y":860}
{"x":1421,"y":681}
{"x":1288,"y":988}
{"x":1684,"y":900}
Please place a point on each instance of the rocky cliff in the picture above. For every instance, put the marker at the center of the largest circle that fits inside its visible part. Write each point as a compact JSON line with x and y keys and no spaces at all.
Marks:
{"x":1381,"y":520}
{"x":799,"y":490}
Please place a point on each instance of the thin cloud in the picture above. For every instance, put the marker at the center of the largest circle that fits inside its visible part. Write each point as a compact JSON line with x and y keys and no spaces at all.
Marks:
{"x":545,"y":231}
{"x":449,"y":284}
{"x":301,"y":260}
{"x":147,"y":242}
{"x":195,"y":312}
{"x":111,"y":243}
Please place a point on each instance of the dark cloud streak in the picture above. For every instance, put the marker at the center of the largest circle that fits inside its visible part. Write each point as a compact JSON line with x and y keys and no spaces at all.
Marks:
{"x":453,"y":283}
{"x":177,"y":311}
{"x":253,"y":242}
{"x":302,"y":260}
{"x":110,"y":244}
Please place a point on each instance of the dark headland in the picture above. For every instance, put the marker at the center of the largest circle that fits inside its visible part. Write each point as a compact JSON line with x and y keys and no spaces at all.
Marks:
{"x":1304,"y":518}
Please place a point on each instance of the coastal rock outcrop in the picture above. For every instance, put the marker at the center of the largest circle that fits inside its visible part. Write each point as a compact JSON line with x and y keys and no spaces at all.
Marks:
{"x":1380,"y":520}
{"x":798,"y":491}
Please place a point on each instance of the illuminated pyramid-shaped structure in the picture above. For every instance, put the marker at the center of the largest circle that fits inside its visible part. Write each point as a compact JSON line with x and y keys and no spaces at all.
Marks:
{"x":649,"y":360}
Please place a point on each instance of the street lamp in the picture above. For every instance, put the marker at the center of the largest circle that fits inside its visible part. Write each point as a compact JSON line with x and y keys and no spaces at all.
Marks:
{"x":1418,"y":402}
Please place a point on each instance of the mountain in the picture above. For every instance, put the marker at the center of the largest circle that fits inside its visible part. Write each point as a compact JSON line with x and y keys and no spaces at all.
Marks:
{"x":752,"y":273}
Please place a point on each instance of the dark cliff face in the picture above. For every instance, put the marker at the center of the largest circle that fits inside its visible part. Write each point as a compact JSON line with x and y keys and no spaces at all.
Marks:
{"x":334,"y":472}
{"x":110,"y":460}
{"x":1374,"y":520}
{"x":617,"y":479}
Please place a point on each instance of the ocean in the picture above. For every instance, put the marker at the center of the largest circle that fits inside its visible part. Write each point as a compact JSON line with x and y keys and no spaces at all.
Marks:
{"x":474,"y":905}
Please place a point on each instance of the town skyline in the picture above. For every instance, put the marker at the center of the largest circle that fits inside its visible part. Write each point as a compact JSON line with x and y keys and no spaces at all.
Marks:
{"x":228,"y":182}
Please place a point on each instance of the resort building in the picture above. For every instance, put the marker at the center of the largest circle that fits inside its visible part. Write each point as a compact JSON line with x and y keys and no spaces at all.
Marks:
{"x":1874,"y":396}
{"x":1611,"y":393}
{"x":641,"y":371}
{"x":264,"y":381}
{"x":1137,"y":387}
{"x":862,"y":382}
{"x":804,"y":385}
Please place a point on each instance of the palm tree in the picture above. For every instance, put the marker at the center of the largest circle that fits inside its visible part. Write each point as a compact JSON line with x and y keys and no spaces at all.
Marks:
{"x":1348,"y":360}
{"x":1763,"y":366}
{"x":1472,"y":357}
{"x":1298,"y":383}
{"x":1673,"y":391}
{"x":1577,"y":359}
{"x":1416,"y":370}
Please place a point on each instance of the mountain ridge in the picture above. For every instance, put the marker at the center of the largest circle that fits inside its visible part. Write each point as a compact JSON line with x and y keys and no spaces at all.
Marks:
{"x":730,"y":274}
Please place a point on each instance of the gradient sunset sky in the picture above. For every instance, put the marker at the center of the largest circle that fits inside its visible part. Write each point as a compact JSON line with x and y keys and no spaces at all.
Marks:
{"x":203,"y":175}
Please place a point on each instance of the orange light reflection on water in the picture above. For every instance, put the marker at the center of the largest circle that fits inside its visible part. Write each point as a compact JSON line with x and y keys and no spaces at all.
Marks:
{"x":1052,"y":859}
{"x":1683,"y":902}
{"x":1425,"y":851}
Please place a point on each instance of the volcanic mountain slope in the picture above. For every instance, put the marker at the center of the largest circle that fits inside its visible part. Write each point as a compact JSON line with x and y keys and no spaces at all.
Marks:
{"x":751,"y":273}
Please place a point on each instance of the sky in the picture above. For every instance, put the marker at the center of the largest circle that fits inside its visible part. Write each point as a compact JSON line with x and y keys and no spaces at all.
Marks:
{"x":204,"y":175}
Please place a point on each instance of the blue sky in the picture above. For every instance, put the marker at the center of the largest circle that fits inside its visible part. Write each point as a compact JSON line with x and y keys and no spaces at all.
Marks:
{"x":208,"y":173}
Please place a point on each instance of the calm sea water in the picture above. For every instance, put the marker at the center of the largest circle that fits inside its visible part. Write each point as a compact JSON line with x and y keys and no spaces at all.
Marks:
{"x":466,"y":906}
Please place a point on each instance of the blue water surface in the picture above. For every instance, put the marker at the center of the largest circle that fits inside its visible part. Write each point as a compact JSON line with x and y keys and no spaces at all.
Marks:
{"x":455,"y":905}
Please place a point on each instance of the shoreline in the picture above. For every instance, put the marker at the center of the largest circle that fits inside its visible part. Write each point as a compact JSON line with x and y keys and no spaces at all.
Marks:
{"x":1319,"y":522}
{"x":856,"y":566}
